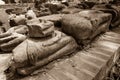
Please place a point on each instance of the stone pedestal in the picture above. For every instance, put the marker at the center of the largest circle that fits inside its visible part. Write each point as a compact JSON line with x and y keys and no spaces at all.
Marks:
{"x":92,"y":64}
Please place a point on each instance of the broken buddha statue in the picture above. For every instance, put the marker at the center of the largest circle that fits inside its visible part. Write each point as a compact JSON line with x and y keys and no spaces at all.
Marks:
{"x":43,"y":45}
{"x":86,"y":25}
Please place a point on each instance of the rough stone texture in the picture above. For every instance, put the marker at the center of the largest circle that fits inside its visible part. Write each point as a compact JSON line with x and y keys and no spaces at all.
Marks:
{"x":92,"y":64}
{"x":5,"y":60}
{"x":84,"y":27}
{"x":4,"y":20}
{"x":53,"y":18}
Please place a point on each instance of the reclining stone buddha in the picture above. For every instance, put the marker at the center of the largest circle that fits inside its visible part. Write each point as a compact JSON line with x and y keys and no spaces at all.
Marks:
{"x":42,"y":45}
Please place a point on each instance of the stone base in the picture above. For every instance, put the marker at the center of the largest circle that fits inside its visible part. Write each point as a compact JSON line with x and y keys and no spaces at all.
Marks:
{"x":92,"y":64}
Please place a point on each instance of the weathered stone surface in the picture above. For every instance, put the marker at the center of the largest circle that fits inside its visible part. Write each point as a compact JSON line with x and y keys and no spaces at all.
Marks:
{"x":111,"y":36}
{"x":53,"y":18}
{"x":56,"y":18}
{"x":4,"y":20}
{"x":85,"y":26}
{"x":5,"y":60}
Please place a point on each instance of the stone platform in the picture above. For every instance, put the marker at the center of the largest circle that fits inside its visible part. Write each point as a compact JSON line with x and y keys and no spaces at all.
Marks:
{"x":91,"y":64}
